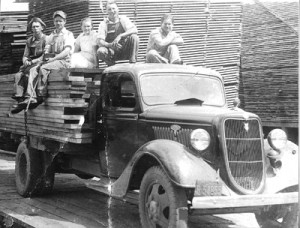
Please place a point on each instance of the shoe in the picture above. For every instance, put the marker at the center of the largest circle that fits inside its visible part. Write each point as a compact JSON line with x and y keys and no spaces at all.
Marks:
{"x":33,"y":105}
{"x":40,"y":100}
{"x":18,"y":98}
{"x":26,"y":101}
{"x":36,"y":103}
{"x":19,"y":108}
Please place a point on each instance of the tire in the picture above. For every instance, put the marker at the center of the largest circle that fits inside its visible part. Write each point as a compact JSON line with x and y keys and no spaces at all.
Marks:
{"x":161,"y":203}
{"x":28,"y":170}
{"x":279,"y":216}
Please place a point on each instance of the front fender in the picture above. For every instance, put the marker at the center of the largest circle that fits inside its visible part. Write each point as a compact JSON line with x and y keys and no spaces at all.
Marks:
{"x":179,"y":163}
{"x":182,"y":167}
{"x":287,"y":175}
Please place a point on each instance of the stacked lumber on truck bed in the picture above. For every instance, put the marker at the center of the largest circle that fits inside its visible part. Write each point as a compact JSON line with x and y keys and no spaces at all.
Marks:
{"x":269,"y":63}
{"x":211,"y":29}
{"x":66,"y":115}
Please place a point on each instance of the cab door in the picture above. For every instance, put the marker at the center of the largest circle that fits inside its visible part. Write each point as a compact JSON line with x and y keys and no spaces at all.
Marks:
{"x":120,"y":115}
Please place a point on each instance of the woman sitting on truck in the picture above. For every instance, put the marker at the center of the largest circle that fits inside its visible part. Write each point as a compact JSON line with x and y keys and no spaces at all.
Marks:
{"x":85,"y":51}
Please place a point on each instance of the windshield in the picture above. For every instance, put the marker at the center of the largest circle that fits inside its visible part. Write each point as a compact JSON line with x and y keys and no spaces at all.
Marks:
{"x":168,"y":89}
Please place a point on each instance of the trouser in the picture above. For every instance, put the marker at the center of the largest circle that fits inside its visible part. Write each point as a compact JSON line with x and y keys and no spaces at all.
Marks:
{"x":129,"y":51}
{"x":21,"y":80}
{"x":43,"y":73}
{"x":170,"y":55}
{"x":83,"y":60}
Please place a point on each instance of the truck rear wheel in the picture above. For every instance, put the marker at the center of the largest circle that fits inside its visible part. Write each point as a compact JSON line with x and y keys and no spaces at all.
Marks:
{"x":28,"y":169}
{"x":29,"y":176}
{"x":279,"y":216}
{"x":161,"y":203}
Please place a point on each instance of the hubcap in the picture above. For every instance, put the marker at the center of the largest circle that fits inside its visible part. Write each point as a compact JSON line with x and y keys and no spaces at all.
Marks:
{"x":158,"y":206}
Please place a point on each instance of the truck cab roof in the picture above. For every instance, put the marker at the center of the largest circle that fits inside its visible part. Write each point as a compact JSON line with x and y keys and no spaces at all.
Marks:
{"x":141,"y":68}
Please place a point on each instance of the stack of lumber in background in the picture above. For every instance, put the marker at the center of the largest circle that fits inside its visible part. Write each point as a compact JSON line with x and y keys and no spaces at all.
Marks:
{"x":13,"y":26}
{"x":211,"y":29}
{"x":65,"y":116}
{"x":269,"y":63}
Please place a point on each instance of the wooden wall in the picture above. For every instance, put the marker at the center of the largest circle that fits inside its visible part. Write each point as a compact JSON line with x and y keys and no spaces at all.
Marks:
{"x":269,"y":62}
{"x":211,"y":28}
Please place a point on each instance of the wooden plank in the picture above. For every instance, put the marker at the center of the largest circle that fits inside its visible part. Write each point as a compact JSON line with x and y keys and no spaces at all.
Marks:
{"x":22,"y":212}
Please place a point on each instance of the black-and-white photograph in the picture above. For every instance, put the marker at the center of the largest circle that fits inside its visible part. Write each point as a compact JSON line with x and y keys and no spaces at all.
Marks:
{"x":149,"y":114}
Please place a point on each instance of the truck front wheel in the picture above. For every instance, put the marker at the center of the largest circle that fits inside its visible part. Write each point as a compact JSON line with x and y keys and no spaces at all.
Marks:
{"x":280,"y":216}
{"x":161,"y":203}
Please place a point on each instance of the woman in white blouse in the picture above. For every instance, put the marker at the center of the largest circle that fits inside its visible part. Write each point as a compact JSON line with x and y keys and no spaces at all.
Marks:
{"x":85,"y":55}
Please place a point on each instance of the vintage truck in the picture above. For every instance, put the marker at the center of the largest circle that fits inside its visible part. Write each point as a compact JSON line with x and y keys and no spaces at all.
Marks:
{"x":164,"y":138}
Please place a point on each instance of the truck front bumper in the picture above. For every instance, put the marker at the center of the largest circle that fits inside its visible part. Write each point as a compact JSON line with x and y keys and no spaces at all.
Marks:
{"x":243,"y":201}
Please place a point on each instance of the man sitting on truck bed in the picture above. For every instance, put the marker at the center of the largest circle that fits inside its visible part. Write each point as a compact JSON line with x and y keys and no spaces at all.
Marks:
{"x":33,"y":55}
{"x":59,"y":44}
{"x":117,"y":37}
{"x":163,"y":43}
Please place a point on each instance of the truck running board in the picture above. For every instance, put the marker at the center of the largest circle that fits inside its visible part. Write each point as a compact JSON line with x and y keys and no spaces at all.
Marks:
{"x":104,"y":185}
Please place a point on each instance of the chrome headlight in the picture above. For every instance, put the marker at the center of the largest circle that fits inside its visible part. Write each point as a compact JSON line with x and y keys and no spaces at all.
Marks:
{"x":277,"y":139}
{"x":200,"y":139}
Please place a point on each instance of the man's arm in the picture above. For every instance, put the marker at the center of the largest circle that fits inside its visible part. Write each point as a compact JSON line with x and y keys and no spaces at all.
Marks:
{"x":77,"y":45}
{"x":61,"y":55}
{"x":129,"y":27}
{"x":177,"y":40}
{"x":39,"y":59}
{"x":129,"y":32}
{"x":162,"y":42}
{"x":115,"y":44}
{"x":69,"y":45}
{"x":102,"y":43}
{"x":25,"y":58}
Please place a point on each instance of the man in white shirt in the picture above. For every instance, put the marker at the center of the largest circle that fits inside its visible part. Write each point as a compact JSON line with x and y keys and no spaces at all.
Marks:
{"x":163,"y":43}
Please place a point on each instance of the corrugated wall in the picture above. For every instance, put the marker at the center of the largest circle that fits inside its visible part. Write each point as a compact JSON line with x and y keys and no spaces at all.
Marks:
{"x":211,"y":29}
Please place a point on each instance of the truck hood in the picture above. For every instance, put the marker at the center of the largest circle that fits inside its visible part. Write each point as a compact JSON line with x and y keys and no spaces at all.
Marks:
{"x":192,"y":113}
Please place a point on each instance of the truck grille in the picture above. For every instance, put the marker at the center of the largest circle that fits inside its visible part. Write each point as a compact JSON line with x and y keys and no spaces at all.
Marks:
{"x":244,"y":155}
{"x":182,"y":136}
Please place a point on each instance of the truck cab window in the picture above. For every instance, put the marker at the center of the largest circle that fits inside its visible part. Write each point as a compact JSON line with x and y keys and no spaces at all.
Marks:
{"x":121,"y":91}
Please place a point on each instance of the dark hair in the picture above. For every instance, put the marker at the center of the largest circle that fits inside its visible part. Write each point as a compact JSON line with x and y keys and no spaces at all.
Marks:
{"x":86,"y":19}
{"x":110,"y":2}
{"x":36,"y":19}
{"x":167,"y":16}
